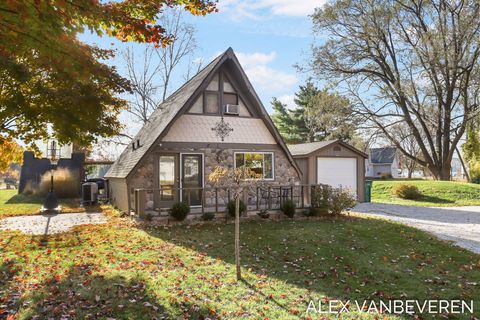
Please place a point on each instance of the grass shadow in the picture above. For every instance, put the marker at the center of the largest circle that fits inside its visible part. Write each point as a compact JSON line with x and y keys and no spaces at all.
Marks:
{"x":83,"y":293}
{"x":346,"y":259}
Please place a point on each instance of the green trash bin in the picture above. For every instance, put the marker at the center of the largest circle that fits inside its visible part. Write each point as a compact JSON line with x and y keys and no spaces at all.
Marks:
{"x":368,"y":191}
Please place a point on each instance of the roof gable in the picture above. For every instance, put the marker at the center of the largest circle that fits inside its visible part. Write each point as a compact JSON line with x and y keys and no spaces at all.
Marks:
{"x":383,"y":155}
{"x":304,"y":149}
{"x":178,"y":103}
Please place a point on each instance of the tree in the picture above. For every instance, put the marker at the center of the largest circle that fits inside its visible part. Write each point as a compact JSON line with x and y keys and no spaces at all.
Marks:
{"x":471,"y":151}
{"x":330,"y":116}
{"x":319,"y":115}
{"x":237,"y":180}
{"x":47,"y":75}
{"x":403,"y":135}
{"x":150,"y":74}
{"x":10,"y":152}
{"x":406,"y":61}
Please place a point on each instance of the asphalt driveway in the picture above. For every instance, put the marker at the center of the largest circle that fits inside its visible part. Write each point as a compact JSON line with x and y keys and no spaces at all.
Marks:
{"x":458,"y":224}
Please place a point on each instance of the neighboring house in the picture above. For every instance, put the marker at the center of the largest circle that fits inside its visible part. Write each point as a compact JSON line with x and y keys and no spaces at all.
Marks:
{"x":334,"y":162}
{"x":382,"y":162}
{"x":216,"y":117}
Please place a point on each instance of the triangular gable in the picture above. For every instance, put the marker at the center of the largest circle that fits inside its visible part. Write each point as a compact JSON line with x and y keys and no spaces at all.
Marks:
{"x":177,"y":104}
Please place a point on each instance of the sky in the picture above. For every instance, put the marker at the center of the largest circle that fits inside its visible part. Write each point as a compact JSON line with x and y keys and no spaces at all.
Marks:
{"x":268,"y":36}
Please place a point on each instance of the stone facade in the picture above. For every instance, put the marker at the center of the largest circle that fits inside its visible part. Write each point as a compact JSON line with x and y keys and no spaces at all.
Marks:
{"x":145,"y":175}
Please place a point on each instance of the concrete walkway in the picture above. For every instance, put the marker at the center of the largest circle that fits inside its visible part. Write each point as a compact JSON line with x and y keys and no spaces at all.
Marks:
{"x":458,"y":224}
{"x":50,"y":224}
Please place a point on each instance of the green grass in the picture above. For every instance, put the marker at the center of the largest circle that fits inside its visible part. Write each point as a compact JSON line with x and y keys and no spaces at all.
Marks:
{"x":14,"y":204}
{"x":434,"y":193}
{"x":125,"y":272}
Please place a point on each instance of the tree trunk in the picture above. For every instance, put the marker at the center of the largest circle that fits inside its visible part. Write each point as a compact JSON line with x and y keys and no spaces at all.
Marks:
{"x":443,"y":173}
{"x":237,"y":236}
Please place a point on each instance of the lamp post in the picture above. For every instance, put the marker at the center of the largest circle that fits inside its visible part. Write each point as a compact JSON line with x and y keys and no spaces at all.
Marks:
{"x":51,"y":202}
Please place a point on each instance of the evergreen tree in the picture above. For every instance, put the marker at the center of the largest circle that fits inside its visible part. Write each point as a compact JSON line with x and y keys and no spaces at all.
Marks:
{"x":318,"y":115}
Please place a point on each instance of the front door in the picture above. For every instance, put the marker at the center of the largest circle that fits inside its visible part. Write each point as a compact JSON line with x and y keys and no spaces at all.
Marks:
{"x":168,"y":179}
{"x":192,"y":178}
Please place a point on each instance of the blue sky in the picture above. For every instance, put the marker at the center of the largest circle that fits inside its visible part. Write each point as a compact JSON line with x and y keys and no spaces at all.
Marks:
{"x":268,"y":36}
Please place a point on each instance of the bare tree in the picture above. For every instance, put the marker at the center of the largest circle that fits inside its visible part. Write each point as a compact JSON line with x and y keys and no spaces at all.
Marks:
{"x":150,"y":73}
{"x":406,"y":61}
{"x":184,"y":46}
{"x":404,"y":136}
{"x":143,"y":76}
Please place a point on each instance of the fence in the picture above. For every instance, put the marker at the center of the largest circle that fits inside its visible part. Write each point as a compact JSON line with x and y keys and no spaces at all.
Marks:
{"x":216,"y":199}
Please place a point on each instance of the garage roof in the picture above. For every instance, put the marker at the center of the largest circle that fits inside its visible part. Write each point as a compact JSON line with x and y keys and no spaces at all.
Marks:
{"x":304,"y":149}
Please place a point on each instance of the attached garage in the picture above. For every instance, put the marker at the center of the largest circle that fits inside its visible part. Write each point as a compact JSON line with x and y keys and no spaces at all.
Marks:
{"x":335,"y":163}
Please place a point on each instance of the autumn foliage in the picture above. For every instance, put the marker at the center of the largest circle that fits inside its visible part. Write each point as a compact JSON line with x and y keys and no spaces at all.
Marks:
{"x":47,"y":76}
{"x":10,"y":152}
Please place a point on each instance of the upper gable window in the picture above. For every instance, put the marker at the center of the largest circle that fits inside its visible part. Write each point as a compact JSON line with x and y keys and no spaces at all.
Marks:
{"x":214,"y":84}
{"x":211,"y":103}
{"x":219,"y":93}
{"x":227,"y":87}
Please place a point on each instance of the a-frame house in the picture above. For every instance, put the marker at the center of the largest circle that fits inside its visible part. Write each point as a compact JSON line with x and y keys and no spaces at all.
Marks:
{"x":215,"y":116}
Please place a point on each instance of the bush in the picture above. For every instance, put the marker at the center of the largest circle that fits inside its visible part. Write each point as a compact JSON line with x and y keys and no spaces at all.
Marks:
{"x":208,"y":216}
{"x":263,"y":214}
{"x":65,"y":183}
{"x":321,"y":195}
{"x":341,"y":200}
{"x":288,"y":208}
{"x":406,"y":191}
{"x":179,"y":211}
{"x":231,"y":208}
{"x":329,"y":200}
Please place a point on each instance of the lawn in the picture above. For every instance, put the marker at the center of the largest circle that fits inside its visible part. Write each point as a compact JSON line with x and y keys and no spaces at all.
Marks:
{"x":434,"y":193}
{"x":14,"y":204}
{"x":124,"y":271}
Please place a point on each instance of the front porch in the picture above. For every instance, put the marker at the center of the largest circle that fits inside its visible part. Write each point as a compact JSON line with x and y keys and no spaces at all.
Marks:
{"x":157,"y":202}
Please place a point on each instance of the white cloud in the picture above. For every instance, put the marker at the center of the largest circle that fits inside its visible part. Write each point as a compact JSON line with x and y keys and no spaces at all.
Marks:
{"x":288,"y":99}
{"x":251,"y":8}
{"x":265,"y":78}
{"x":256,"y":58}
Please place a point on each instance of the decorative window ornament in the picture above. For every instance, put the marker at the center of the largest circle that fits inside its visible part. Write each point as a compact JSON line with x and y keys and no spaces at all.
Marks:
{"x":222,"y":129}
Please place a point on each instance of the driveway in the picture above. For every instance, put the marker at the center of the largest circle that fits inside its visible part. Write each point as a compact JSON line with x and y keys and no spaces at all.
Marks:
{"x":50,"y":224}
{"x":458,"y":224}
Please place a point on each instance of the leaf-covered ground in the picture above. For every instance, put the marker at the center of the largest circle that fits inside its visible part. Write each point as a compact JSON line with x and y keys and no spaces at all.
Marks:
{"x":434,"y":193}
{"x":123,"y":271}
{"x":14,"y":204}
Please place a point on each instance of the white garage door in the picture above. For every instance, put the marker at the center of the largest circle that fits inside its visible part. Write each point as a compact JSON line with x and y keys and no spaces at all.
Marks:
{"x":338,"y":172}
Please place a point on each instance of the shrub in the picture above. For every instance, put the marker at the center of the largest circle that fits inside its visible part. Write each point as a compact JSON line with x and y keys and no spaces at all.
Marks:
{"x":179,"y":211}
{"x":65,"y":183}
{"x":263,"y":214}
{"x":406,"y":191}
{"x":321,"y":195}
{"x":231,"y":208}
{"x":341,"y":200}
{"x":208,"y":216}
{"x":149,"y":217}
{"x":288,"y":208}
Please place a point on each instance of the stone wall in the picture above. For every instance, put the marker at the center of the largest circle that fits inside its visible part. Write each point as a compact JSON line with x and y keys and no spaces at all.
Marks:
{"x":145,"y":174}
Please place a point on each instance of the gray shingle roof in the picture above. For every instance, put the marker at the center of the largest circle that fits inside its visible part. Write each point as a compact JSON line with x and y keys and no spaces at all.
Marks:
{"x":157,"y":123}
{"x":382,"y":155}
{"x":307,"y":148}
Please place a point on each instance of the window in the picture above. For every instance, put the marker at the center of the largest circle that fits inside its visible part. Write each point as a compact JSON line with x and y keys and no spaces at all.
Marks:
{"x":211,"y":102}
{"x":259,"y":162}
{"x":230,"y":98}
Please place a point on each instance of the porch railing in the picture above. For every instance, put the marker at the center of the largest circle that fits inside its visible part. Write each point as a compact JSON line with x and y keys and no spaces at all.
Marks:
{"x":212,"y":199}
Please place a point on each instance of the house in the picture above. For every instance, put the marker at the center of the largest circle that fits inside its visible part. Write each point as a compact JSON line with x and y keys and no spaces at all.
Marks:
{"x":216,"y":117}
{"x":334,"y":162}
{"x":383,"y":163}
